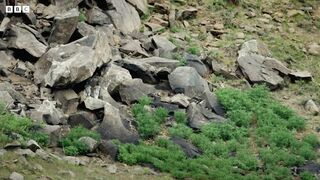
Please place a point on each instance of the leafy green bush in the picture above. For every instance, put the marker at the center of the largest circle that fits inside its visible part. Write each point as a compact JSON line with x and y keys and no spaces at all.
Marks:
{"x":180,"y":117}
{"x":149,"y":123}
{"x":258,"y":142}
{"x":71,"y":144}
{"x":194,"y":49}
{"x":28,"y":129}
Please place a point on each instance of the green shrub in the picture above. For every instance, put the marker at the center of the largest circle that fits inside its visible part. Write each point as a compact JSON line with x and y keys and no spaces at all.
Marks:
{"x":180,"y":130}
{"x":258,"y":141}
{"x":71,"y":144}
{"x":149,"y":123}
{"x":307,"y":176}
{"x":194,"y":49}
{"x":25,"y":127}
{"x":180,"y":117}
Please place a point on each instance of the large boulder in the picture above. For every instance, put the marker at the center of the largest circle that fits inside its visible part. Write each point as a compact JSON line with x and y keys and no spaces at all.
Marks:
{"x":64,"y":26}
{"x":150,"y":69}
{"x":124,"y":16}
{"x":112,"y":126}
{"x":132,"y":90}
{"x":73,"y":63}
{"x":258,"y":67}
{"x":188,"y":81}
{"x":24,"y":39}
{"x":140,"y":5}
{"x":82,"y":118}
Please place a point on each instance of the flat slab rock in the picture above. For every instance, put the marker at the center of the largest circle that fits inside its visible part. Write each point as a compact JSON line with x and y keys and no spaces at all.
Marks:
{"x":257,"y":66}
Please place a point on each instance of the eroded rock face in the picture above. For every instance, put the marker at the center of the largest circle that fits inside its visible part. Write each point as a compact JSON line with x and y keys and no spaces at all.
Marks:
{"x":73,"y":63}
{"x":64,"y":26}
{"x":124,"y":16}
{"x":188,"y":81}
{"x":24,"y":39}
{"x":258,"y":67}
{"x":112,"y":126}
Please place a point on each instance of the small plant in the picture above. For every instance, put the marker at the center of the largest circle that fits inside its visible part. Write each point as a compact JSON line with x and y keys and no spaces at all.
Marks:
{"x":25,"y":127}
{"x":180,"y":58}
{"x":82,"y":16}
{"x":71,"y":144}
{"x":180,"y":117}
{"x":149,"y":123}
{"x":194,"y":49}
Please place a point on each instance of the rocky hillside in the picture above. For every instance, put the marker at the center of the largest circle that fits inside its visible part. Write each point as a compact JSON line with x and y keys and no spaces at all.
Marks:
{"x":160,"y":89}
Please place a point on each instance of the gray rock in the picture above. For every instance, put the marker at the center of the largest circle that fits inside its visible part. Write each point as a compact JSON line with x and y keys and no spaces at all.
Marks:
{"x":90,"y":142}
{"x":181,"y":100}
{"x":163,"y":44}
{"x":161,"y":8}
{"x":301,"y":75}
{"x":112,"y":126}
{"x":6,"y":99}
{"x":314,"y":49}
{"x":85,"y":29}
{"x":150,"y":69}
{"x":195,"y":117}
{"x":134,"y":48}
{"x":69,"y":100}
{"x":132,"y":90}
{"x":189,"y":149}
{"x":16,"y":176}
{"x":312,"y":107}
{"x":112,"y":169}
{"x":195,"y":62}
{"x":50,"y":114}
{"x":12,"y":145}
{"x":24,"y":39}
{"x":109,"y":148}
{"x":254,"y":47}
{"x":21,"y":69}
{"x":212,"y":103}
{"x":140,"y":5}
{"x":112,"y":77}
{"x":33,"y":145}
{"x":5,"y":86}
{"x":4,"y":24}
{"x":66,"y":4}
{"x":25,"y":152}
{"x":220,"y":69}
{"x":82,"y":118}
{"x":64,"y":26}
{"x":255,"y":71}
{"x":189,"y":13}
{"x":93,"y":103}
{"x":97,"y":17}
{"x":187,"y":80}
{"x":72,"y":63}
{"x":124,"y":16}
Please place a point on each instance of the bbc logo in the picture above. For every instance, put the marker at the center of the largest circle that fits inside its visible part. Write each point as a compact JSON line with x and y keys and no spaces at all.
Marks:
{"x":17,"y":9}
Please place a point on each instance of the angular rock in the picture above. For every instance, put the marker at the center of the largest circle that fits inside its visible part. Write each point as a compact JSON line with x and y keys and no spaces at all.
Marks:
{"x":24,"y":39}
{"x":73,"y":63}
{"x":64,"y":26}
{"x":212,"y":103}
{"x":163,"y":44}
{"x":50,"y":114}
{"x":6,"y":99}
{"x":12,"y":145}
{"x":132,"y":90}
{"x":195,"y":62}
{"x":254,"y":47}
{"x":109,"y":148}
{"x":312,"y":107}
{"x":69,"y":100}
{"x":161,"y":8}
{"x":21,"y":69}
{"x":198,"y":115}
{"x":93,"y":103}
{"x":301,"y":75}
{"x":82,"y":118}
{"x":189,"y":149}
{"x":187,"y":80}
{"x":189,"y":13}
{"x":33,"y":145}
{"x":112,"y":126}
{"x":85,"y":29}
{"x":97,"y":17}
{"x":124,"y":16}
{"x":255,"y":71}
{"x":154,"y":27}
{"x":220,"y":69}
{"x":181,"y":100}
{"x":90,"y":142}
{"x":149,"y":69}
{"x":140,"y":5}
{"x":134,"y":48}
{"x":16,"y":176}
